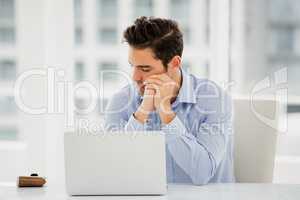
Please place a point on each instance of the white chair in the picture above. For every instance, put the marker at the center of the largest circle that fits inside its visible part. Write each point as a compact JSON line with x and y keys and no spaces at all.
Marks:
{"x":254,"y":140}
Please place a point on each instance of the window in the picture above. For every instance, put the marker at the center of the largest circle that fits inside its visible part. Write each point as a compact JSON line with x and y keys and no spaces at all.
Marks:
{"x":186,"y":34}
{"x":108,"y":69}
{"x":186,"y":66}
{"x":78,"y":22}
{"x":78,"y":35}
{"x":284,"y":10}
{"x":180,"y":11}
{"x":108,"y":10}
{"x":143,"y":8}
{"x":7,"y":9}
{"x":7,"y":24}
{"x":7,"y":105}
{"x":257,"y":66}
{"x":282,"y":40}
{"x":284,"y":17}
{"x":79,"y":71}
{"x":108,"y":35}
{"x":8,"y":133}
{"x":107,"y":15}
{"x":7,"y":70}
{"x":7,"y":35}
{"x":207,"y":22}
{"x":77,"y":9}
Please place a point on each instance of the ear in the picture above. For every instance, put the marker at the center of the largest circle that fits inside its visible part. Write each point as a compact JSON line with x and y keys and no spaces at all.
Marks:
{"x":175,"y":63}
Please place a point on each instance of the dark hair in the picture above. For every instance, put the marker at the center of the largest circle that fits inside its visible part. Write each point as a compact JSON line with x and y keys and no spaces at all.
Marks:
{"x":161,"y":35}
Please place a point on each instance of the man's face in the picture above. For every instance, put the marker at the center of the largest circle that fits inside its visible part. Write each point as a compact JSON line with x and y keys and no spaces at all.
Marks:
{"x":144,"y":65}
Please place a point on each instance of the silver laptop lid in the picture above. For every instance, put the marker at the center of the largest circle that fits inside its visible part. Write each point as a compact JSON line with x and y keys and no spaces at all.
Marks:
{"x":128,"y":163}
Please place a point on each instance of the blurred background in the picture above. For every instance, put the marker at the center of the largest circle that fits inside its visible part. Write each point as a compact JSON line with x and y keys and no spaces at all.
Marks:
{"x":236,"y":43}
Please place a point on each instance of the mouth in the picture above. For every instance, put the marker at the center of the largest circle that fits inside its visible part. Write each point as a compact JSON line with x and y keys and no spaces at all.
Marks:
{"x":141,"y":88}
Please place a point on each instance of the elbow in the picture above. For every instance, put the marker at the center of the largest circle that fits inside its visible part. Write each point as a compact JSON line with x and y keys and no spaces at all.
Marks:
{"x":203,"y":179}
{"x":199,"y":182}
{"x":203,"y":175}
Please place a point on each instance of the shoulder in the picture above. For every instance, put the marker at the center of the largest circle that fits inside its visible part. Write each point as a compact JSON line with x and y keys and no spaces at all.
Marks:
{"x":203,"y":86}
{"x":210,"y":96}
{"x":125,"y":92}
{"x":122,"y":98}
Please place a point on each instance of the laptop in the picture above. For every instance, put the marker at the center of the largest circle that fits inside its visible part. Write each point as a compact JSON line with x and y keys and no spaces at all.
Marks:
{"x":115,"y":163}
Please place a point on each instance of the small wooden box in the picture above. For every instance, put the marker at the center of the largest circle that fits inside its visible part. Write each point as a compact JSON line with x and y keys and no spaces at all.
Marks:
{"x":31,"y":181}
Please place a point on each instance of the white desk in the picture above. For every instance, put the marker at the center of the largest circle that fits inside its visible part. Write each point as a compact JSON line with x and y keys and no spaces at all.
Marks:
{"x":178,"y":192}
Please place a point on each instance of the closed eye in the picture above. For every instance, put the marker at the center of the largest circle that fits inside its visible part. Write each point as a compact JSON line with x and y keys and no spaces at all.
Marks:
{"x":145,"y":69}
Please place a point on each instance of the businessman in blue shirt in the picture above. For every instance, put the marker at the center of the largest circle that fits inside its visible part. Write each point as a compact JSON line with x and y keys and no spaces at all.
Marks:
{"x":194,"y":114}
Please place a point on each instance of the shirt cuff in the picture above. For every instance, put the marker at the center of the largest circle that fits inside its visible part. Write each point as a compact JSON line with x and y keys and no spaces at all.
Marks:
{"x":174,"y":129}
{"x":134,"y":125}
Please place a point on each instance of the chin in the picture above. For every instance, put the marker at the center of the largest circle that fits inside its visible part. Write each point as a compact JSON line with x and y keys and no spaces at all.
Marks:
{"x":141,"y":92}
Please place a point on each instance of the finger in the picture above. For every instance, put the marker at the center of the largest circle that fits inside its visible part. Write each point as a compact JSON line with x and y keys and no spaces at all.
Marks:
{"x":162,"y":77}
{"x":172,"y":84}
{"x":153,"y":81}
{"x":152,"y":86}
{"x":149,"y":93}
{"x":162,"y":83}
{"x":157,"y":89}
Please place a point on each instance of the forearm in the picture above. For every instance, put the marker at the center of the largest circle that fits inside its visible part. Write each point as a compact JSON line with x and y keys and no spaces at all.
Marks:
{"x":134,"y":125}
{"x":198,"y":157}
{"x":141,"y":115}
{"x":166,"y":113}
{"x":193,"y":159}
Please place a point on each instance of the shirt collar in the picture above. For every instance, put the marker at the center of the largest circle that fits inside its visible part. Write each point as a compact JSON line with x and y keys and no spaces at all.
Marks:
{"x":186,"y":93}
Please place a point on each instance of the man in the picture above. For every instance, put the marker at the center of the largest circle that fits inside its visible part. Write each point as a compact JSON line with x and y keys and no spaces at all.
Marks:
{"x":194,"y":114}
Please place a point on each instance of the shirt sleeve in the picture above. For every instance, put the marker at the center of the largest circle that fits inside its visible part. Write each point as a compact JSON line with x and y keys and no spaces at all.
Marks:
{"x":134,"y":125}
{"x":116,"y":116}
{"x":200,"y":154}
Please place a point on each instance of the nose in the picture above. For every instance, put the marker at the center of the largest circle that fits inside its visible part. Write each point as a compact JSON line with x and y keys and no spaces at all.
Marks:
{"x":137,"y":75}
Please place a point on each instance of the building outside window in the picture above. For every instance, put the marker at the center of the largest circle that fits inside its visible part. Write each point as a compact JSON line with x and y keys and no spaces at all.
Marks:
{"x":8,"y":133}
{"x":7,"y":105}
{"x":143,"y":8}
{"x":79,"y":71}
{"x":7,"y":22}
{"x":7,"y":70}
{"x":108,"y":69}
{"x":107,"y":19}
{"x":78,"y":20}
{"x":180,"y":11}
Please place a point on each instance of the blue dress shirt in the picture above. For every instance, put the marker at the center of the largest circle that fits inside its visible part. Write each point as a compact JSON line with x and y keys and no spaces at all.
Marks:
{"x":199,"y":140}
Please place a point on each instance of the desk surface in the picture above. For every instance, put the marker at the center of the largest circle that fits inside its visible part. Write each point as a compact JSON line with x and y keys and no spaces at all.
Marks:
{"x":180,"y":192}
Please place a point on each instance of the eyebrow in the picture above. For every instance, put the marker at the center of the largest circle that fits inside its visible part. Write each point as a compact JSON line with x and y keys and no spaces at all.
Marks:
{"x":142,"y":66}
